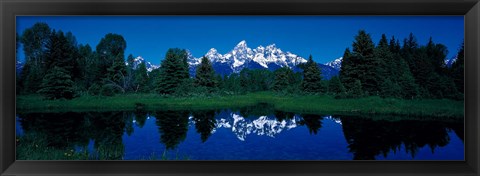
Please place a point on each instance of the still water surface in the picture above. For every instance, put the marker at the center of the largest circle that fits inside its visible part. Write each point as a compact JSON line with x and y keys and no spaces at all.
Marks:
{"x":258,"y":133}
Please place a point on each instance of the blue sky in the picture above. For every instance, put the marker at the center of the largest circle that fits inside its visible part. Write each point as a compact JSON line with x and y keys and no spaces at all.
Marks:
{"x":324,"y":37}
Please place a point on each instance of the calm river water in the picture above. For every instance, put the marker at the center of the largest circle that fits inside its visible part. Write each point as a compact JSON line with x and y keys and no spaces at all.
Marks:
{"x":259,"y":133}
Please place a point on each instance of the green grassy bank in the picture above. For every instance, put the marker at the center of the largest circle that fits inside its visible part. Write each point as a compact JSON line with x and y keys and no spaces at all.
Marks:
{"x":321,"y":104}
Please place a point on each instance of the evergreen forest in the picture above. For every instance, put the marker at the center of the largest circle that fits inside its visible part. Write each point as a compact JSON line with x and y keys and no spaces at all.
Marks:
{"x":57,"y":67}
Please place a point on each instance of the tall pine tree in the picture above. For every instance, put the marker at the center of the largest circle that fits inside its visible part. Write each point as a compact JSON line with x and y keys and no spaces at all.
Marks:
{"x":173,"y":71}
{"x":284,"y":79}
{"x":311,"y":77}
{"x":363,"y":47}
{"x":57,"y":84}
{"x":110,"y":54}
{"x":110,"y":51}
{"x":205,"y":75}
{"x":348,"y":71}
{"x":335,"y":86}
{"x":361,"y":65}
{"x":141,"y":78}
{"x":458,"y":69}
{"x":34,"y":41}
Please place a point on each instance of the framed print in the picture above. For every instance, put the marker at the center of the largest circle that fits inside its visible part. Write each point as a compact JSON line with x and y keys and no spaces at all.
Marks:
{"x":235,"y":88}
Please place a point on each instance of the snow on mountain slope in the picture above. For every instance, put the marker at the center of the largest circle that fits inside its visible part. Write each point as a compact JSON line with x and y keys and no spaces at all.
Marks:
{"x":336,"y":64}
{"x":138,"y":60}
{"x":241,"y":56}
{"x":449,"y":62}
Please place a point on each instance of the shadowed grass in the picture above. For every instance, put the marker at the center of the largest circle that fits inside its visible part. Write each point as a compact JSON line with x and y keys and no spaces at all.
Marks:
{"x":319,"y":104}
{"x":35,"y":147}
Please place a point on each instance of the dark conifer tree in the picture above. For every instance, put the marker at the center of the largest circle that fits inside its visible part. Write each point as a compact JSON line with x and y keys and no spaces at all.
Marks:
{"x":284,"y":78}
{"x":34,"y":41}
{"x":363,"y":47}
{"x":458,"y":69}
{"x":335,"y":86}
{"x":311,"y":77}
{"x":59,"y":52}
{"x":437,"y":54}
{"x":57,"y":84}
{"x":116,"y":79}
{"x":389,"y":88}
{"x":141,"y":78}
{"x":348,"y":71}
{"x":362,"y":64}
{"x":357,"y":90}
{"x":173,"y":71}
{"x":87,"y":66}
{"x":130,"y":62}
{"x":205,"y":75}
{"x":406,"y":81}
{"x":110,"y":52}
{"x":394,"y":45}
{"x":386,"y":68}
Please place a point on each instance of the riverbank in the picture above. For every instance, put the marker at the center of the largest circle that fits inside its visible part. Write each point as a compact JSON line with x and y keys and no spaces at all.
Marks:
{"x":320,"y":104}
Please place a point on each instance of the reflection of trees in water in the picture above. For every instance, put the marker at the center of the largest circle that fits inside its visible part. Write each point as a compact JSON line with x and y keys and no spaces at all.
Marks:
{"x":173,"y":127}
{"x":281,"y":115}
{"x":66,"y":130}
{"x":261,"y":109}
{"x":107,"y":131}
{"x":61,"y":130}
{"x":313,"y":122}
{"x":459,"y":129}
{"x":204,"y":123}
{"x":128,"y":123}
{"x":368,"y":138}
{"x":140,"y":117}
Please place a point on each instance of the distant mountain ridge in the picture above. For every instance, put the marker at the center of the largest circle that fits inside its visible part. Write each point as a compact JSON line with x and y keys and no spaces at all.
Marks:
{"x":336,"y":64}
{"x":138,"y":60}
{"x":241,"y":56}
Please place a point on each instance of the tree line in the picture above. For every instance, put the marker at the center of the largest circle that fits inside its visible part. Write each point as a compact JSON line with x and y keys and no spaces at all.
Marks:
{"x":57,"y":67}
{"x":408,"y":71}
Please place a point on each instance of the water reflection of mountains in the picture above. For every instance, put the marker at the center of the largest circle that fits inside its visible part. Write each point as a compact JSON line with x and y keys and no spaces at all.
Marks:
{"x":366,"y":138}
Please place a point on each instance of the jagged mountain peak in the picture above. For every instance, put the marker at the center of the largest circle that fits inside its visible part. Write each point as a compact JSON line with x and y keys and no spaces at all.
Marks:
{"x":259,"y":49}
{"x":138,"y":60}
{"x":272,"y":46}
{"x":337,"y":63}
{"x":242,"y":43}
{"x":212,"y":51}
{"x":241,"y":56}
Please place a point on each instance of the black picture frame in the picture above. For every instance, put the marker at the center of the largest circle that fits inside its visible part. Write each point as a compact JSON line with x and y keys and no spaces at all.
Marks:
{"x":9,"y":9}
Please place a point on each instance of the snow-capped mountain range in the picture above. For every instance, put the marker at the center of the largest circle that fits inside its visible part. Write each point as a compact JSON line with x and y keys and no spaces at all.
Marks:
{"x":138,"y":60}
{"x":336,"y":64}
{"x":241,"y":56}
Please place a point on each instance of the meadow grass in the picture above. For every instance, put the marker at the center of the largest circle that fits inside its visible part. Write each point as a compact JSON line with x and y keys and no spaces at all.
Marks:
{"x":319,"y":104}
